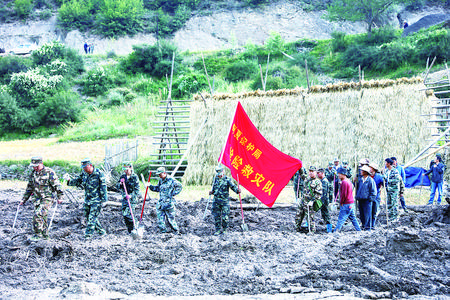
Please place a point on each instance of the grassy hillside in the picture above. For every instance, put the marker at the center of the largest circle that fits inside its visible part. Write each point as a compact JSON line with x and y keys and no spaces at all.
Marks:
{"x":57,"y":91}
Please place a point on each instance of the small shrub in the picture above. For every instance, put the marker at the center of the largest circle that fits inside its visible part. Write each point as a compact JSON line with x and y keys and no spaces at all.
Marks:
{"x":23,"y":8}
{"x":11,"y":64}
{"x":275,"y":43}
{"x":8,"y":111}
{"x":147,"y":86}
{"x":76,"y":14}
{"x":45,"y":14}
{"x":338,"y":43}
{"x":95,"y":82}
{"x":60,"y":108}
{"x":240,"y":70}
{"x":188,"y":84}
{"x":117,"y":17}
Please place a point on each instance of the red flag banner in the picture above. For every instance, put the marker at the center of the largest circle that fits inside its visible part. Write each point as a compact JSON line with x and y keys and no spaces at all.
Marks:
{"x":258,"y":166}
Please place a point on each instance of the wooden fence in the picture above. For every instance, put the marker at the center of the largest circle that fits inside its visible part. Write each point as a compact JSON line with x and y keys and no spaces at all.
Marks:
{"x":115,"y":154}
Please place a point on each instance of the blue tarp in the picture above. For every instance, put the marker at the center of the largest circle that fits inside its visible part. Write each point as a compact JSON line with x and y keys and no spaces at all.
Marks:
{"x":414,"y":177}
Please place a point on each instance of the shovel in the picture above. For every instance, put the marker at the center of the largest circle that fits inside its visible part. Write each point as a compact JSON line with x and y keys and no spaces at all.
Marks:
{"x":140,"y":229}
{"x":134,"y":232}
{"x":17,"y":213}
{"x":243,"y":225}
{"x":51,"y":220}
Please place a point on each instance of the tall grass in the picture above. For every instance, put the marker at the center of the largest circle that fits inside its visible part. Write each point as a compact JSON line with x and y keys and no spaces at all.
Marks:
{"x":129,"y":120}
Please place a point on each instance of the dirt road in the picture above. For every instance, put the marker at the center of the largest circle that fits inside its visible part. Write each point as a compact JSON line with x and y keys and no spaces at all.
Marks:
{"x":410,"y":259}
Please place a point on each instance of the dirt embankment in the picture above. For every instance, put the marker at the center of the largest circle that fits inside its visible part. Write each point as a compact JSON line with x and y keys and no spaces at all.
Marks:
{"x":409,"y":259}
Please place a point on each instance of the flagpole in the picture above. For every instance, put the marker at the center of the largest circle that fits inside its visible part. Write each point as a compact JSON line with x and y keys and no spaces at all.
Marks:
{"x":226,"y":140}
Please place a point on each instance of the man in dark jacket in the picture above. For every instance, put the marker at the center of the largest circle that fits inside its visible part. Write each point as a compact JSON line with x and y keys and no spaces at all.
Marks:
{"x":437,"y":179}
{"x":366,"y":194}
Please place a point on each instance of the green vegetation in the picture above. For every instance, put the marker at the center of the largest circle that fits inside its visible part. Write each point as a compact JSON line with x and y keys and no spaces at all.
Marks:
{"x":52,"y":93}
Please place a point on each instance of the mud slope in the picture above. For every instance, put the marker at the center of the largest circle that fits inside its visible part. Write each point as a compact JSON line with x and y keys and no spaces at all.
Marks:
{"x":408,"y":259}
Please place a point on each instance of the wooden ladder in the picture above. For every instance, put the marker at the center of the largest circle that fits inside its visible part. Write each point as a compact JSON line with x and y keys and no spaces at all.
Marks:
{"x":171,"y":135}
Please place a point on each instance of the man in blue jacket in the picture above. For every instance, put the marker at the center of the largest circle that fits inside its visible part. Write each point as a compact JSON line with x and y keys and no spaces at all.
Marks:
{"x":437,"y":179}
{"x":366,"y":195}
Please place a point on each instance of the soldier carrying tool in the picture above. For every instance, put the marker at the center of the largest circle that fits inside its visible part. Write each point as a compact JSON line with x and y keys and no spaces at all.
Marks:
{"x":42,"y":184}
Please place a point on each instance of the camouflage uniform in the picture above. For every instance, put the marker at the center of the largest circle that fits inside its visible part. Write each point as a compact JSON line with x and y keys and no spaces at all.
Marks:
{"x":299,"y":182}
{"x":221,"y":205}
{"x":331,"y":176}
{"x":392,"y":179}
{"x":327,"y":198}
{"x":42,"y":185}
{"x":94,"y":186}
{"x":167,"y":188}
{"x":312,"y":192}
{"x":132,"y":184}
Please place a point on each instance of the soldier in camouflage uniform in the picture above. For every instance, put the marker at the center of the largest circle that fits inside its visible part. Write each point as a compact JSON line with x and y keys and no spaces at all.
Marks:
{"x":42,"y":184}
{"x":131,"y":181}
{"x":93,"y":181}
{"x":327,"y":198}
{"x":312,"y":192}
{"x":331,"y":175}
{"x":299,"y":183}
{"x":392,"y":179}
{"x":165,"y":209}
{"x":348,"y":168}
{"x":221,"y":205}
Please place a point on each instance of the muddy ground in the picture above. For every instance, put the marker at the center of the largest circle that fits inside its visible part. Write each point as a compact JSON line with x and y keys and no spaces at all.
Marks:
{"x":409,"y":259}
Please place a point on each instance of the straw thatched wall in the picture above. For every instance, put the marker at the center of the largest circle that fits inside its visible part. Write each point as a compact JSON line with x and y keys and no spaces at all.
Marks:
{"x":350,"y":124}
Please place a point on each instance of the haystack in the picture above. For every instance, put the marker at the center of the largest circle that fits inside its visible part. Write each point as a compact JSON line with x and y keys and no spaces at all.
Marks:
{"x":374,"y":119}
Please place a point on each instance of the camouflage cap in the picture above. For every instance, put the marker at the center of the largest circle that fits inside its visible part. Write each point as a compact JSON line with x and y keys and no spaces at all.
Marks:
{"x":35,"y":161}
{"x":330,"y":164}
{"x":312,"y":168}
{"x":219,"y":169}
{"x":345,"y":162}
{"x":85,"y":162}
{"x":126,"y":165}
{"x":321,"y":170}
{"x":160,"y":170}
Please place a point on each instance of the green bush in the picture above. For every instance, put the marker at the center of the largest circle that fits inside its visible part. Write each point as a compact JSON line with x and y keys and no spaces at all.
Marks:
{"x":300,"y":58}
{"x":118,"y":17}
{"x":275,"y":43}
{"x":11,"y":64}
{"x":155,"y":60}
{"x":95,"y":82}
{"x":188,"y":84}
{"x":240,"y":70}
{"x":60,"y":108}
{"x":119,"y":96}
{"x":53,"y":51}
{"x":338,"y":43}
{"x":147,"y":86}
{"x":45,"y":14}
{"x":76,"y":14}
{"x":32,"y":86}
{"x":23,"y":8}
{"x":8,"y":111}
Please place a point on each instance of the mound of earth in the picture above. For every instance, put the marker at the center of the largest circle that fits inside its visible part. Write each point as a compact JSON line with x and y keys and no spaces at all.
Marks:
{"x":407,"y":259}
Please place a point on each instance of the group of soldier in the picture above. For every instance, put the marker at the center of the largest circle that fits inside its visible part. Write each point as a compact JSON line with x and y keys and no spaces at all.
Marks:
{"x":318,"y":189}
{"x":325,"y":188}
{"x":44,"y":186}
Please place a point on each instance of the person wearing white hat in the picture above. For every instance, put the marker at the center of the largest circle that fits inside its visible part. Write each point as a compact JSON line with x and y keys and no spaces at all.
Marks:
{"x":365,"y":195}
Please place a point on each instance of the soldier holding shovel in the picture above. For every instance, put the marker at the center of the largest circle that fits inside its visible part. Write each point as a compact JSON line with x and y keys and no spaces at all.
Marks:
{"x":42,"y":183}
{"x":221,"y":205}
{"x":131,"y":194}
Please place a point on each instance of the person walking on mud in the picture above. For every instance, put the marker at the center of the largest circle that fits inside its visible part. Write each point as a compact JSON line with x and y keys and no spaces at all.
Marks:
{"x":131,"y":181}
{"x":43,"y":183}
{"x":347,"y":203}
{"x":221,"y":205}
{"x":366,"y":194}
{"x":327,"y":198}
{"x":93,"y":181}
{"x":167,"y":187}
{"x":299,"y":183}
{"x":437,"y":179}
{"x":312,"y":193}
{"x":392,"y":179}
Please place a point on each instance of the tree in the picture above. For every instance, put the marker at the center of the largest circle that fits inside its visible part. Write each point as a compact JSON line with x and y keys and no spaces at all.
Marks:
{"x":362,"y":10}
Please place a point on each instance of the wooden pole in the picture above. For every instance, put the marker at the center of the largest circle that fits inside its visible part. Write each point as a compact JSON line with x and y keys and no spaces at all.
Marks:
{"x":307,"y":75}
{"x":429,"y":146}
{"x":207,"y":76}
{"x":428,"y":155}
{"x":267,"y":71}
{"x":428,"y":70}
{"x":262,"y":80}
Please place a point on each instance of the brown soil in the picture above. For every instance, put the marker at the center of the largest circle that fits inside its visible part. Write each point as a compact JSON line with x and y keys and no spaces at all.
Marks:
{"x":409,"y":259}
